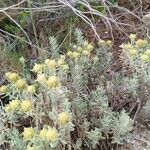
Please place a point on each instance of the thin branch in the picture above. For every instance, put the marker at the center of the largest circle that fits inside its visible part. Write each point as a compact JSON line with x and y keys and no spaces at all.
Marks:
{"x":10,"y":7}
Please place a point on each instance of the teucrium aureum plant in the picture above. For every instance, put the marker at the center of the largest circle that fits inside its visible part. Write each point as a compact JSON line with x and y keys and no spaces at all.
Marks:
{"x":68,"y":104}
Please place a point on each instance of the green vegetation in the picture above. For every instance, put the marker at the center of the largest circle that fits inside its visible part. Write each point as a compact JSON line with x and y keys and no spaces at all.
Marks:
{"x":74,"y":76}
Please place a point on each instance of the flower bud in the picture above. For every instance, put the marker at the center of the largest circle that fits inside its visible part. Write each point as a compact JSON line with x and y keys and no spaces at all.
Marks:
{"x":63,"y":118}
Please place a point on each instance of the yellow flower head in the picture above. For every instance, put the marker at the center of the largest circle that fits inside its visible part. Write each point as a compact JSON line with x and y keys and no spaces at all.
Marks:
{"x":26,"y":105}
{"x":12,"y":77}
{"x":43,"y":134}
{"x":90,"y":47}
{"x":70,"y":54}
{"x":28,"y":133}
{"x":63,"y":118}
{"x":102,"y":42}
{"x":126,"y":47}
{"x":7,"y":108}
{"x":75,"y":54}
{"x":21,"y":84}
{"x":41,"y":78}
{"x":133,"y":52}
{"x":14,"y":105}
{"x":51,"y":63}
{"x":38,"y":68}
{"x":132,"y":36}
{"x":52,"y":82}
{"x":51,"y":135}
{"x":62,"y":57}
{"x":145,"y":58}
{"x":60,"y":62}
{"x":65,"y":67}
{"x":31,"y":89}
{"x":141,"y":43}
{"x":147,"y":52}
{"x":85,"y":43}
{"x":86,"y":52}
{"x":79,"y":49}
{"x":3,"y":89}
{"x":109,"y":43}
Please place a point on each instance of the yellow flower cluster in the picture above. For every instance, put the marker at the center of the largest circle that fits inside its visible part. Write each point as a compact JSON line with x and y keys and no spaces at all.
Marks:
{"x":107,"y":43}
{"x":28,"y":133}
{"x":65,"y":67}
{"x":132,"y":37}
{"x":133,"y":52}
{"x":49,"y":135}
{"x":26,"y":105}
{"x":52,"y":82}
{"x":41,"y":78}
{"x":70,"y":54}
{"x":38,"y":68}
{"x":21,"y":84}
{"x":61,"y":63}
{"x":7,"y":108}
{"x":31,"y":89}
{"x":134,"y":49}
{"x":51,"y":63}
{"x":147,"y":52}
{"x":63,"y":118}
{"x":127,"y":46}
{"x":73,"y":54}
{"x":85,"y":50}
{"x":141,"y":43}
{"x":12,"y":77}
{"x":3,"y":89}
{"x":14,"y":105}
{"x":145,"y":57}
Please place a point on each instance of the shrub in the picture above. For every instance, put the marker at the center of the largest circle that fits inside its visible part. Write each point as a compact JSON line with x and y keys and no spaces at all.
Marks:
{"x":70,"y":102}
